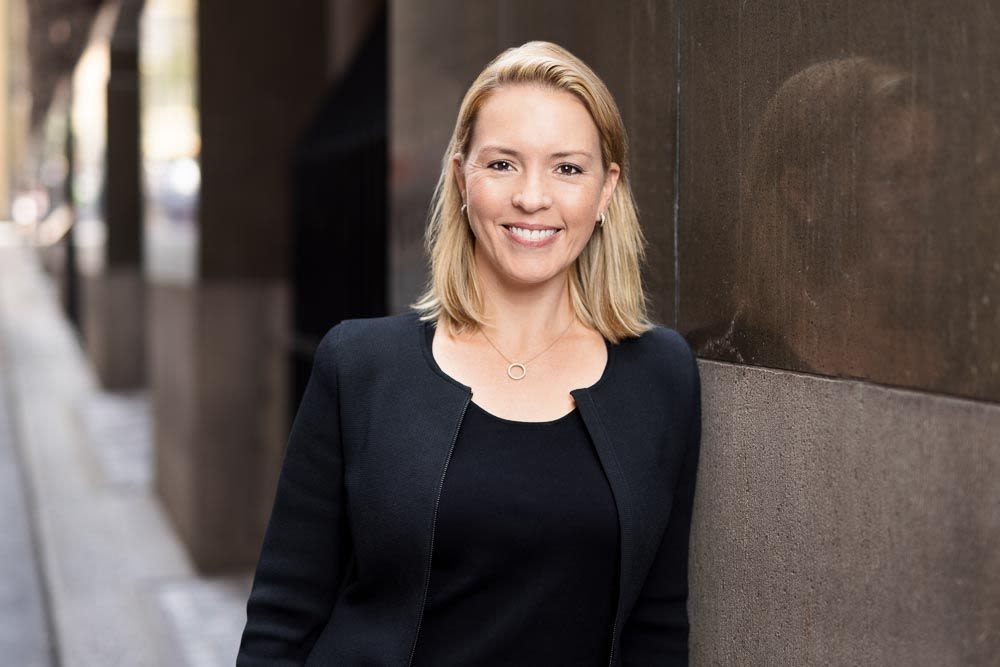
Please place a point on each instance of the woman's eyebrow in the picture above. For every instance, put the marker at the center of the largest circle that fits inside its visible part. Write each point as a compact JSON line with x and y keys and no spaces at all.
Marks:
{"x":503,"y":150}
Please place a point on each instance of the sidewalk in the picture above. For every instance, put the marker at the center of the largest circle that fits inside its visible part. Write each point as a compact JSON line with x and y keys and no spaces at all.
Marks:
{"x":25,"y":636}
{"x":91,"y":565}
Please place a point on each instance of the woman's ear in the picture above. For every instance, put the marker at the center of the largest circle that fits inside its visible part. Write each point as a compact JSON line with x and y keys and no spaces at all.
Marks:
{"x":456,"y":165}
{"x":610,"y":182}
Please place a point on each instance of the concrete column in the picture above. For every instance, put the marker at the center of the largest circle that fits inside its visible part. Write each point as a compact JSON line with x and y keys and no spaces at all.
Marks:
{"x":113,"y":297}
{"x":5,"y":151}
{"x":217,"y":335}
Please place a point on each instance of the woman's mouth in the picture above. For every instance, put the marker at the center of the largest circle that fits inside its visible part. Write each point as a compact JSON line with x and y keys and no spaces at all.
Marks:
{"x":531,"y":238}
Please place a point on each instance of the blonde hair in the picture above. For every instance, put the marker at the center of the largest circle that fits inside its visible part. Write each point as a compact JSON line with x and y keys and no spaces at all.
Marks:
{"x":606,"y":290}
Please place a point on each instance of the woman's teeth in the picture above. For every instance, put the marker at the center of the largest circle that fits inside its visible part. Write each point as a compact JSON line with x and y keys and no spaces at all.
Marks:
{"x":534,"y":234}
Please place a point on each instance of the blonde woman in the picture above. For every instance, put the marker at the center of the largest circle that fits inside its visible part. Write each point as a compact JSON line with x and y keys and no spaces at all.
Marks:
{"x":505,"y":474}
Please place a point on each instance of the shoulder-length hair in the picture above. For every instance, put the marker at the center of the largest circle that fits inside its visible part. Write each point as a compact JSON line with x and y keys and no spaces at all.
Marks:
{"x":605,"y":283}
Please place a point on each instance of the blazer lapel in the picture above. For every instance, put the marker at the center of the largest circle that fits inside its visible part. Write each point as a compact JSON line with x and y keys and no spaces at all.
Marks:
{"x":619,"y":488}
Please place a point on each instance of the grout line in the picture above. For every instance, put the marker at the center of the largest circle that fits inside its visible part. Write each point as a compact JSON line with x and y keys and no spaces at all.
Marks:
{"x":678,"y":51}
{"x":865,"y":382}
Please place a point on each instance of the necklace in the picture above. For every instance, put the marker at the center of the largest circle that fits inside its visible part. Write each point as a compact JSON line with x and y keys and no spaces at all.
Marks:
{"x":523,"y":364}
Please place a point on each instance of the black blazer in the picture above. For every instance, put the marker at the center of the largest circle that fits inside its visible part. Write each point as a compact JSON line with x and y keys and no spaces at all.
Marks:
{"x":345,"y":565}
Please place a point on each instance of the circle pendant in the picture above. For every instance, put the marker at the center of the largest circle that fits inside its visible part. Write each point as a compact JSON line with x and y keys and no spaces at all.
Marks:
{"x":510,"y":371}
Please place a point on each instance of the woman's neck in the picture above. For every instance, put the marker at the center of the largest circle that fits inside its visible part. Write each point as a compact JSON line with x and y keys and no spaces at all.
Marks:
{"x":519,"y":318}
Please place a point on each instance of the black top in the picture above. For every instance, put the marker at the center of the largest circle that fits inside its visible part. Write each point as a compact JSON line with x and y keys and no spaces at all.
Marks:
{"x":525,"y":548}
{"x":346,"y":560}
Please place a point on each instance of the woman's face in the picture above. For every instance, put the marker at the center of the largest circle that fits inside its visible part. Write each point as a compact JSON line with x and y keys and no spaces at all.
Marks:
{"x":534,"y":184}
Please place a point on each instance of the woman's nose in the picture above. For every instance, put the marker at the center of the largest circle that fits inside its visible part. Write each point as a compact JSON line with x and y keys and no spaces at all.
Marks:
{"x":532,"y":197}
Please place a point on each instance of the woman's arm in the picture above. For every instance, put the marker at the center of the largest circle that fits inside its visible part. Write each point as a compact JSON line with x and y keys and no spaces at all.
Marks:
{"x":657,"y":630}
{"x":307,"y":542}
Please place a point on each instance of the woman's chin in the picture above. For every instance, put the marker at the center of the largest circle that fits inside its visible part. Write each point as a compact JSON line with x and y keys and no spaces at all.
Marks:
{"x":532,"y":277}
{"x":519,"y":272}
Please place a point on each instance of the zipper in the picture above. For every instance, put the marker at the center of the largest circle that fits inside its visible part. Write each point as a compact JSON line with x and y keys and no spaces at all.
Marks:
{"x":430,"y":557}
{"x":614,"y":628}
{"x":614,"y":623}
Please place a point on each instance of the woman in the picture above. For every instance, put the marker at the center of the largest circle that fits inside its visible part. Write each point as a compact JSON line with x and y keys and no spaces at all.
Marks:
{"x":505,"y":474}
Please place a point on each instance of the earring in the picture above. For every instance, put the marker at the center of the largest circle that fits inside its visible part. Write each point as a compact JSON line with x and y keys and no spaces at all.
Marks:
{"x":464,"y":208}
{"x":600,"y":221}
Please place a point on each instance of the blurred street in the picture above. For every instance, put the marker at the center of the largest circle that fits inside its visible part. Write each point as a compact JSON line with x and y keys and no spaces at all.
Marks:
{"x":91,"y":570}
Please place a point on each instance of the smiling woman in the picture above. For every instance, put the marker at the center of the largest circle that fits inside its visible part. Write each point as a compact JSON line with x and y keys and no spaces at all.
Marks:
{"x":527,"y":185}
{"x":539,"y":144}
{"x":506,"y":474}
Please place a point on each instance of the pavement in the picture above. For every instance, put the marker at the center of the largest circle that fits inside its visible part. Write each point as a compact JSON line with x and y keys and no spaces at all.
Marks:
{"x":92,"y":573}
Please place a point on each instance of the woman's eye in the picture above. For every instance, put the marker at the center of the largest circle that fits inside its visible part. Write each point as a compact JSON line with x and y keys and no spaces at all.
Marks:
{"x":500,"y":165}
{"x":569,"y":169}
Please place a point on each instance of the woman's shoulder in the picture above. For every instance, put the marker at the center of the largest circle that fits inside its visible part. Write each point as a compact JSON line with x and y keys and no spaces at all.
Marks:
{"x":386,"y":329}
{"x":369,"y":339}
{"x":661,"y":342}
{"x":662,"y":356}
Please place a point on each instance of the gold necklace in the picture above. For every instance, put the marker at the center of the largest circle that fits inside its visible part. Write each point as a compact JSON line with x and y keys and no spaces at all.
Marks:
{"x":523,"y":364}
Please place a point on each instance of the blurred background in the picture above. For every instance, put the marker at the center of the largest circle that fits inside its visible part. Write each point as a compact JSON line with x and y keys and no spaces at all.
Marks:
{"x":192,"y":192}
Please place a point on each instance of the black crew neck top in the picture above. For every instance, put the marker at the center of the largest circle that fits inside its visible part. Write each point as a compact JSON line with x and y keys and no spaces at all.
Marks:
{"x":524,"y":568}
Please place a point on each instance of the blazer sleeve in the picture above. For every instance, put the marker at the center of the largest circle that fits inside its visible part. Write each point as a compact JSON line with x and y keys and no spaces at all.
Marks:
{"x":657,"y":630}
{"x":306,"y":542}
